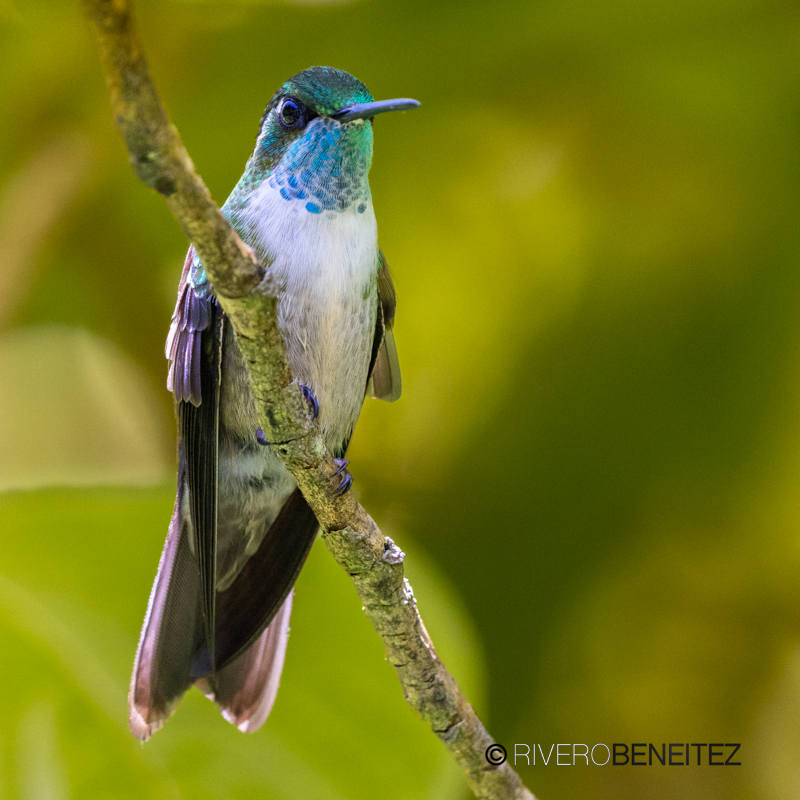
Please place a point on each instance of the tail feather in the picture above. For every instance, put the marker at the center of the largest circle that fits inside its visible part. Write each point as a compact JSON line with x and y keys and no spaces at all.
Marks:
{"x":246,"y":688}
{"x":170,"y":635}
{"x":172,"y":647}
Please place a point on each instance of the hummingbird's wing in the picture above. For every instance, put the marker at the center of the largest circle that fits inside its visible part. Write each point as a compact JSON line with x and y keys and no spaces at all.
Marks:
{"x":384,"y":369}
{"x":194,"y":347}
{"x":180,"y":614}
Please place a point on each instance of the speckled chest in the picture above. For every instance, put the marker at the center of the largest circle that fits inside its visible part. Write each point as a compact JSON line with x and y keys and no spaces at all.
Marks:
{"x":326,"y":169}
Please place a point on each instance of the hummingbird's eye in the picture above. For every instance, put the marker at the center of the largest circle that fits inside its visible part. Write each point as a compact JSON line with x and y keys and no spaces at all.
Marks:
{"x":290,"y":113}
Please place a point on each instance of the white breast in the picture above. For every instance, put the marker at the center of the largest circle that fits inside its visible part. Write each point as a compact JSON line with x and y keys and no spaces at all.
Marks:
{"x":326,"y":265}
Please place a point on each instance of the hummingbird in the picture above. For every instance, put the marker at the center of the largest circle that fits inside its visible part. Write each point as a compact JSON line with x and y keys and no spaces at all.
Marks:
{"x":240,"y":532}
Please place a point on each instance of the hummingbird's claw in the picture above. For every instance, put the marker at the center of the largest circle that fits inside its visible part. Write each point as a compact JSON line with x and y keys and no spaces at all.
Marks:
{"x":347,"y":482}
{"x":347,"y":478}
{"x":260,"y":437}
{"x":342,"y":464}
{"x":311,"y":400}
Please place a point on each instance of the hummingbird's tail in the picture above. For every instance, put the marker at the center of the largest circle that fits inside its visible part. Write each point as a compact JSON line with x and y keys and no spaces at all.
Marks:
{"x":171,"y":633}
{"x":172,"y":647}
{"x":245,"y":689}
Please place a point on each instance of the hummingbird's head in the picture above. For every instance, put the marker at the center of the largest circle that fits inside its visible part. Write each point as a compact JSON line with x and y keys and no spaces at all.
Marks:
{"x":315,"y":139}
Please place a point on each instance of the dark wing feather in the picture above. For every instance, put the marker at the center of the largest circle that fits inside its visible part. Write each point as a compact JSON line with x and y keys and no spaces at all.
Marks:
{"x":384,"y":369}
{"x":251,"y":602}
{"x":173,"y":627}
{"x":199,"y":428}
{"x":194,"y":352}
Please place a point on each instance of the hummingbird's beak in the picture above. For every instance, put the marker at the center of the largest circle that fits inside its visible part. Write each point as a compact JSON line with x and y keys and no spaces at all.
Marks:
{"x":369,"y":110}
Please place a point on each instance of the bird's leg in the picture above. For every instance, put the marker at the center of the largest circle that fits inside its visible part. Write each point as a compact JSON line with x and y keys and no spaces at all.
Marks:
{"x":311,"y":400}
{"x":347,"y":479}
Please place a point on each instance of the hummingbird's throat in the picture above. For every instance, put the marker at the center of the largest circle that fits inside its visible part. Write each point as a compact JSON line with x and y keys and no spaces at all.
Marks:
{"x":327,"y":167}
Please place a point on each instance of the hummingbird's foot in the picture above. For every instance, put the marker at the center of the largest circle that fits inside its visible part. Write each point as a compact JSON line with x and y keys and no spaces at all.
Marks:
{"x":347,"y":479}
{"x":311,"y":400}
{"x":260,"y":437}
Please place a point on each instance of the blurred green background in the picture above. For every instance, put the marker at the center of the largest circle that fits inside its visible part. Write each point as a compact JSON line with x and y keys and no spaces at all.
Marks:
{"x":593,"y":225}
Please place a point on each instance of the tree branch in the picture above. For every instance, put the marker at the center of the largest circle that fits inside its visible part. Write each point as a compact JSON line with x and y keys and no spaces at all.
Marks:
{"x":243,"y":288}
